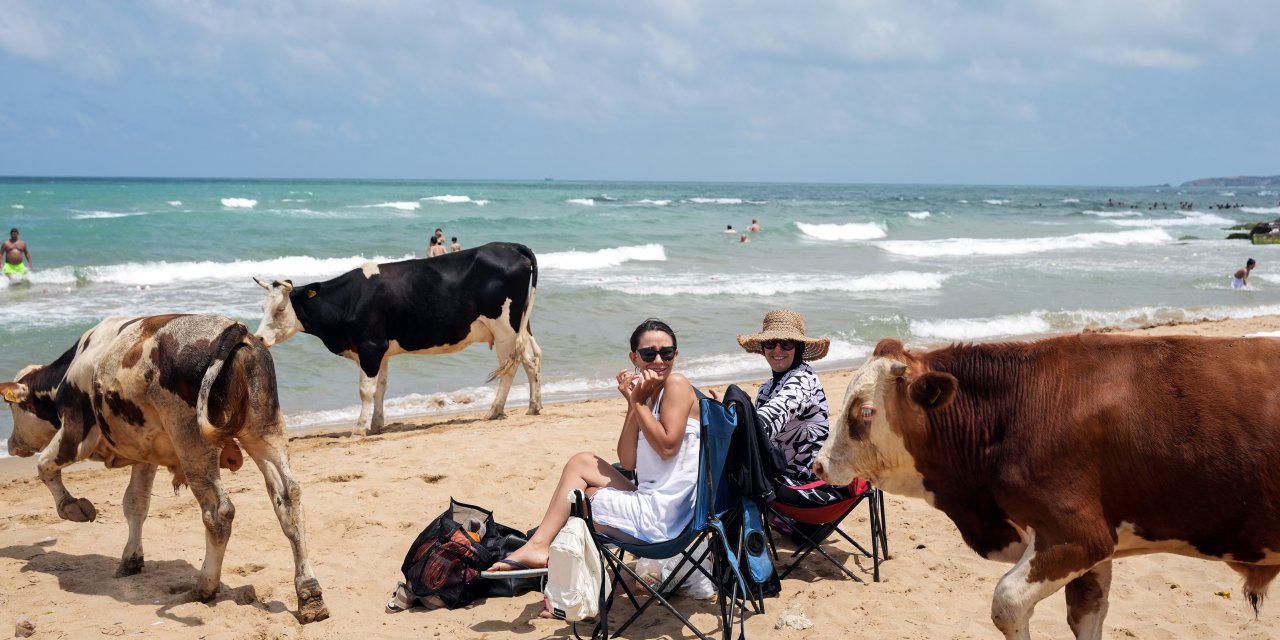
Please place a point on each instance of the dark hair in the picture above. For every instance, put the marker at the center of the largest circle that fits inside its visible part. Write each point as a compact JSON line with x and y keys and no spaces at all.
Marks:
{"x":13,"y":230}
{"x":1249,"y":263}
{"x":651,"y":324}
{"x":455,"y":238}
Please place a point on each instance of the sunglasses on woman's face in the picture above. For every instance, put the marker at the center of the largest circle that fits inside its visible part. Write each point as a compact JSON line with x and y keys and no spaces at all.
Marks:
{"x":649,"y":354}
{"x":785,"y":345}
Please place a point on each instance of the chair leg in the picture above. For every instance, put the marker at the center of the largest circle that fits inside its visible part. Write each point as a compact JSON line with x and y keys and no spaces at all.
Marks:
{"x":884,"y":530}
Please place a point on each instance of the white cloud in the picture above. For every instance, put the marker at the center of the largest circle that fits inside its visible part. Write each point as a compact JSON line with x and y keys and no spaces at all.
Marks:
{"x":1144,"y":58}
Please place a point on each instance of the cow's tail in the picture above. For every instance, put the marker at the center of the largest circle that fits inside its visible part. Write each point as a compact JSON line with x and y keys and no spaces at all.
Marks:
{"x":231,"y":337}
{"x":510,"y":361}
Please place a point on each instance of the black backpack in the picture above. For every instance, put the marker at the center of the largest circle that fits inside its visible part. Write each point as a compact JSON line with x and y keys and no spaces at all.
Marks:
{"x":442,"y":567}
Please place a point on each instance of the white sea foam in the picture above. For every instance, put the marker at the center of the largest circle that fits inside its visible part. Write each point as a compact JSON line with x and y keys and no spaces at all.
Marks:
{"x":996,"y":201}
{"x":402,"y":206}
{"x":1040,"y":322}
{"x":725,"y":284}
{"x":1263,"y":334}
{"x":18,"y":206}
{"x":1070,"y":200}
{"x":586,"y":202}
{"x":239,"y":203}
{"x":1265,"y":193}
{"x":603,"y":258}
{"x":1265,"y":210}
{"x":102,"y":215}
{"x":918,"y":215}
{"x":656,"y":203}
{"x":957,"y":247}
{"x":844,"y":232}
{"x":1113,"y":214}
{"x":981,"y":328}
{"x":716,"y":200}
{"x":174,"y":203}
{"x":156,"y":273}
{"x":1227,"y":194}
{"x":448,"y":199}
{"x":1196,"y":219}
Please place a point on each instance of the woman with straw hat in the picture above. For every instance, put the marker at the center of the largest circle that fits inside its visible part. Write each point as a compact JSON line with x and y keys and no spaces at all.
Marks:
{"x":792,"y":407}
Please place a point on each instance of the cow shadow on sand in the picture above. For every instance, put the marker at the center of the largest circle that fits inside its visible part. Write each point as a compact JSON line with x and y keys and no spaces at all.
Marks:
{"x":166,"y":583}
{"x":402,"y":427}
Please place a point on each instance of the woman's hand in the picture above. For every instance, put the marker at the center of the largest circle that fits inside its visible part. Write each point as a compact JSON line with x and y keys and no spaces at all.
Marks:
{"x":646,"y":384}
{"x":627,"y":383}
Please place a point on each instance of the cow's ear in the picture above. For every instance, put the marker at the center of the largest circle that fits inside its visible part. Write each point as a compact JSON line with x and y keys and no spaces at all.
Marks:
{"x":13,"y":392}
{"x":933,"y":390}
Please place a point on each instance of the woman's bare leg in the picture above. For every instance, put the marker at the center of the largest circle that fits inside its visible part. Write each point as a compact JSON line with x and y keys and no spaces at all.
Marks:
{"x":583,"y":471}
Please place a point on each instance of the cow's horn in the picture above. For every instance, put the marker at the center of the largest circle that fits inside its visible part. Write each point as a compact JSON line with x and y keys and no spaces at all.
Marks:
{"x":287,"y":284}
{"x":262,"y":284}
{"x":898,"y":369}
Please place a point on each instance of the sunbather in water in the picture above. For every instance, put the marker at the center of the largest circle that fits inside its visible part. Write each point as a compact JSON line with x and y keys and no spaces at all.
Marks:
{"x":659,"y":440}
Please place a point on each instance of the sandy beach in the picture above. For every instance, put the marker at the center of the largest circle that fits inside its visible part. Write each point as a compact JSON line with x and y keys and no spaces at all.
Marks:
{"x":367,"y":497}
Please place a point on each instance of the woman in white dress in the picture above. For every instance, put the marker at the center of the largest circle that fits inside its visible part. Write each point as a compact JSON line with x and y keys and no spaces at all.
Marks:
{"x":659,"y":441}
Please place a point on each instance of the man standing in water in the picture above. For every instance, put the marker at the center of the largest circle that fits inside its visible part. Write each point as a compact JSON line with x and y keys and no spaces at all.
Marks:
{"x":14,"y":251}
{"x":1240,"y":279}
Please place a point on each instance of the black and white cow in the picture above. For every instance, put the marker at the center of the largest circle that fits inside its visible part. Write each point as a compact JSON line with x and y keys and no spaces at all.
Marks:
{"x":174,"y":390}
{"x":434,"y":305}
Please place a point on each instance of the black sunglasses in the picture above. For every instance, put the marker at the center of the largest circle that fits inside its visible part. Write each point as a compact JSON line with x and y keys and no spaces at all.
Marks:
{"x":649,"y":354}
{"x":785,"y":345}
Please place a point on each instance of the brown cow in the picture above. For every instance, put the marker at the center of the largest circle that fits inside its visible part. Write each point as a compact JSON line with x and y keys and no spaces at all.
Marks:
{"x":173,"y":390}
{"x":1062,"y":454}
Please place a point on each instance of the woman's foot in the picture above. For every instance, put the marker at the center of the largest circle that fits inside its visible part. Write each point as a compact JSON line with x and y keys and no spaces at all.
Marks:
{"x":522,"y":558}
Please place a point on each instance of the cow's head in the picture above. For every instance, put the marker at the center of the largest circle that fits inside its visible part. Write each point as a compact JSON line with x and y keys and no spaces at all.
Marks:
{"x":883,"y":409}
{"x":279,"y":322}
{"x":30,"y":433}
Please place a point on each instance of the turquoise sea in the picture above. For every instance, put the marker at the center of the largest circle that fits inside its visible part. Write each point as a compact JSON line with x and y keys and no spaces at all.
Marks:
{"x":926,"y":264}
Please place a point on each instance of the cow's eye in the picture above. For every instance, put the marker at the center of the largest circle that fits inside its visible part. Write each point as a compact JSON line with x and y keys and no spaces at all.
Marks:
{"x":867,"y":411}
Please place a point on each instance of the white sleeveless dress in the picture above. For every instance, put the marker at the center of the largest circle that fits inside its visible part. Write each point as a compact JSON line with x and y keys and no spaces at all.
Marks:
{"x":662,"y":504}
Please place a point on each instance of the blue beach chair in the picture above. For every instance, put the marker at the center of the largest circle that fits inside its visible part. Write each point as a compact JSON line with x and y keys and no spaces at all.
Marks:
{"x":709,"y":512}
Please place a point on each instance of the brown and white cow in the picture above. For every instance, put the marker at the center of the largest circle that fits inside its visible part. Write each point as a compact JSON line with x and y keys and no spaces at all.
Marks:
{"x":177,"y":391}
{"x":1061,"y":454}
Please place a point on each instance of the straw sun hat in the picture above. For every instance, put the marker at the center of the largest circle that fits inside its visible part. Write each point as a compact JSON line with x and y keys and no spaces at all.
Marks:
{"x":785,"y":324}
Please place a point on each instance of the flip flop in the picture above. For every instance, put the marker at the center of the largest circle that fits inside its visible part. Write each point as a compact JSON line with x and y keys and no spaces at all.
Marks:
{"x":522,"y":570}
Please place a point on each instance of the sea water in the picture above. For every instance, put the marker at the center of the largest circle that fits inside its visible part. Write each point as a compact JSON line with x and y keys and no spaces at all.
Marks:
{"x":928,"y":265}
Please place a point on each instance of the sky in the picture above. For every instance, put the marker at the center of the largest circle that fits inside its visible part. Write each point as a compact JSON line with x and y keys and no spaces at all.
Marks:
{"x":1047,"y":92}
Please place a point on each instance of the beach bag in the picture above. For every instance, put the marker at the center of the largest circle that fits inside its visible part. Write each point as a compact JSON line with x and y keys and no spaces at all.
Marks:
{"x":442,"y":567}
{"x":576,"y":586}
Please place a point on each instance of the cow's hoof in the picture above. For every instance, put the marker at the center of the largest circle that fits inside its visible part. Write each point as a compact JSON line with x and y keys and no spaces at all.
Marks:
{"x":311,"y":603}
{"x":130,"y":566}
{"x":371,"y":431}
{"x":498,"y":416}
{"x":78,"y":510}
{"x":535,"y":411}
{"x":201,"y":593}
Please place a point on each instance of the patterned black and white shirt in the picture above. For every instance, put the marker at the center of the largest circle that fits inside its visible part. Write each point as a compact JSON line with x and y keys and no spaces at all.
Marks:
{"x":793,"y":411}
